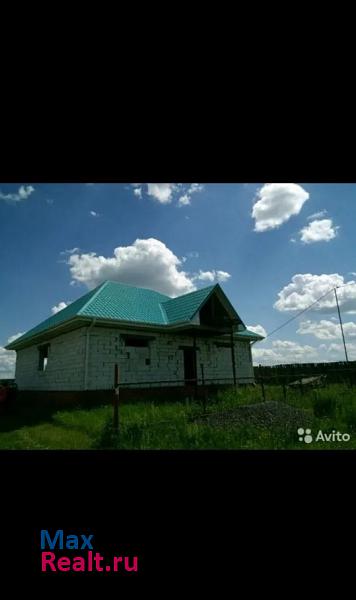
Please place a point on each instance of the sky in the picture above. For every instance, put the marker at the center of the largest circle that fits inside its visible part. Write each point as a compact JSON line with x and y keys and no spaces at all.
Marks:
{"x":275,"y":248}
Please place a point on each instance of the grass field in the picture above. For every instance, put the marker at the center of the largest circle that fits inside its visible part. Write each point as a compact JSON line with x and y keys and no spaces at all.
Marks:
{"x":178,"y":425}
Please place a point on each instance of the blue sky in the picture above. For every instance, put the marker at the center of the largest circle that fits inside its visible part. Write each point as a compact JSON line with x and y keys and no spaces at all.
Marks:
{"x":58,"y":241}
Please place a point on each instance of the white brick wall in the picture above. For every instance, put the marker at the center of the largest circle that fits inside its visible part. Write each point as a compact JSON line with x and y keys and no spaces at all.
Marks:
{"x":65,"y":366}
{"x":166,"y":359}
{"x":66,"y":361}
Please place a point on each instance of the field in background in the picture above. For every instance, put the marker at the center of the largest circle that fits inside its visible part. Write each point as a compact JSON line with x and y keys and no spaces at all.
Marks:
{"x":182,"y":425}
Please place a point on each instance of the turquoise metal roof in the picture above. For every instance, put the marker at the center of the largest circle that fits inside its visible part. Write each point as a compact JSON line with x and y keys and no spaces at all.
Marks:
{"x":126,"y":303}
{"x":120,"y":302}
{"x":72,"y":310}
{"x":184,"y":307}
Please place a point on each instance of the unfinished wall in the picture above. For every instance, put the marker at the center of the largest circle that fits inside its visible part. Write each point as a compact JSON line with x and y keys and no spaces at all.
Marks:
{"x":65,"y":366}
{"x":161,"y":361}
{"x":217,"y":361}
{"x":107,"y":348}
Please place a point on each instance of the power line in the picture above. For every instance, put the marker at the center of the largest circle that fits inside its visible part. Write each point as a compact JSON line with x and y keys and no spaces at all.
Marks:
{"x":298,"y":315}
{"x":308,"y":307}
{"x":345,"y":284}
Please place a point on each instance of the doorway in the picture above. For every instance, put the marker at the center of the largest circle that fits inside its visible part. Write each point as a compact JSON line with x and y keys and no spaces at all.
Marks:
{"x":190,"y":366}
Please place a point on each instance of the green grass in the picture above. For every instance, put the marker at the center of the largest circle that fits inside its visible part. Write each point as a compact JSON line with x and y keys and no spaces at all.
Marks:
{"x":171,"y":425}
{"x":40,"y":429}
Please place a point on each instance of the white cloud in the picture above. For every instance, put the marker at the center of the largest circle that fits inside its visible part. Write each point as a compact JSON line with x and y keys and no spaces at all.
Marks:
{"x":276,"y":203}
{"x":138,"y":192}
{"x":71,"y":251}
{"x":165,"y":193}
{"x":259,"y":329}
{"x":60,"y":306}
{"x":317,"y":215}
{"x":327,"y":330}
{"x":222,"y":276}
{"x":94,"y":214}
{"x":205,"y":275}
{"x":195,"y":187}
{"x":306,"y":288}
{"x":7,"y":363}
{"x":12,"y":338}
{"x":162,"y":192}
{"x":192,"y":254}
{"x":336,"y":352}
{"x":289,"y":346}
{"x":318,"y":231}
{"x":8,"y":359}
{"x":212,"y":276}
{"x":24,"y":192}
{"x":288,"y":352}
{"x":284,"y":352}
{"x":184,"y":200}
{"x":147,"y":263}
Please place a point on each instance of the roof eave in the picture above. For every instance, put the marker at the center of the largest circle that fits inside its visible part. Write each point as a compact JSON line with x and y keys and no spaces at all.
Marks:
{"x":159,"y":326}
{"x":42,"y":335}
{"x":68,"y":326}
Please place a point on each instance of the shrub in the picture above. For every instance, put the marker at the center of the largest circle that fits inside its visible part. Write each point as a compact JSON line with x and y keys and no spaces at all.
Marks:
{"x":350,"y":418}
{"x":106,"y":439}
{"x":324,"y":405}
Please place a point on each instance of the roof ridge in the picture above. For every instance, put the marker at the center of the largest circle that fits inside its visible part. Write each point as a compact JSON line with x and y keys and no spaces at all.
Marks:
{"x":163,"y":312}
{"x":208,"y":287}
{"x":100,"y":288}
{"x":184,"y":308}
{"x":136,"y":287}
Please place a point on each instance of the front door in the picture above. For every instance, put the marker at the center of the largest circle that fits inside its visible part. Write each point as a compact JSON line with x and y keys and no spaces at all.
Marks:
{"x":190,"y":366}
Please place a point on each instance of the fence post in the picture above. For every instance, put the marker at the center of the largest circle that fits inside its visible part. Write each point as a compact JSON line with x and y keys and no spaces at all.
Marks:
{"x":233,"y":356}
{"x":263,"y":390}
{"x":195,"y":382}
{"x":203,"y":386}
{"x":284,"y":391}
{"x":116,"y":400}
{"x":351,"y":378}
{"x":301,"y":386}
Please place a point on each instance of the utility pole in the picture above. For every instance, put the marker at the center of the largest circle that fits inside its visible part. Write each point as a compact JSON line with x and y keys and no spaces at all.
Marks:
{"x":342,"y":329}
{"x":233,"y":355}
